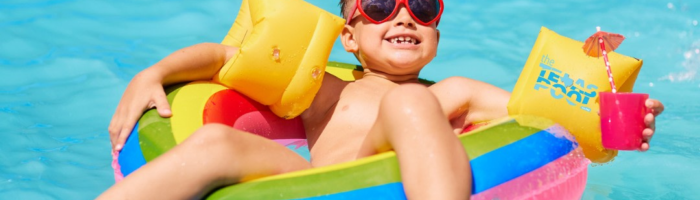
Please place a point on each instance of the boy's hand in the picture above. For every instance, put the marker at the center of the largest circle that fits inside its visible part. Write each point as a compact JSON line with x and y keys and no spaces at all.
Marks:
{"x":656,"y":108}
{"x":143,"y":92}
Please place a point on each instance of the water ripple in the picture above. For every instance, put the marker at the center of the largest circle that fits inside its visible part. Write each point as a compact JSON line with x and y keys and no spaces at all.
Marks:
{"x":691,"y":64}
{"x":9,"y":5}
{"x":61,"y":148}
{"x":24,"y":88}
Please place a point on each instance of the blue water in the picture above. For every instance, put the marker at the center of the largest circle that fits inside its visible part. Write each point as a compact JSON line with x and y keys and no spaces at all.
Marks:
{"x":65,"y":63}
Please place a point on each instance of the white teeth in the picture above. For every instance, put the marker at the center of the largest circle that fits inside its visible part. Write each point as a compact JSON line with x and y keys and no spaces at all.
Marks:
{"x":402,"y":39}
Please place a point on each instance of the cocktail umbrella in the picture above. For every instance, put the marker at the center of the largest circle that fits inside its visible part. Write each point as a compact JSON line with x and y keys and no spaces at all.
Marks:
{"x":598,"y":44}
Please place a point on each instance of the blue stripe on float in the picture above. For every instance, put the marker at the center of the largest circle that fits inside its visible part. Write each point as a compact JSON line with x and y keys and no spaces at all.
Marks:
{"x":303,"y":151}
{"x":386,"y":191}
{"x":131,"y":157}
{"x":516,"y":159}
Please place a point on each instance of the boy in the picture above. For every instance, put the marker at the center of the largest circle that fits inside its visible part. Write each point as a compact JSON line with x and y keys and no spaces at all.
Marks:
{"x":387,"y":109}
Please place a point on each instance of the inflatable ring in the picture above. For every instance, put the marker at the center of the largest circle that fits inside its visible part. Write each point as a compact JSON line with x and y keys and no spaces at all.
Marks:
{"x":516,"y":157}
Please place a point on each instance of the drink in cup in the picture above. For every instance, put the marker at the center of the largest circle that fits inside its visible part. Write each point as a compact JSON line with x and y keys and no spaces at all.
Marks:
{"x":622,"y":119}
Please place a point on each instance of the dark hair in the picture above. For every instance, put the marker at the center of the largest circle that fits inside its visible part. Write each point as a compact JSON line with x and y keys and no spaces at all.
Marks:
{"x":343,"y":4}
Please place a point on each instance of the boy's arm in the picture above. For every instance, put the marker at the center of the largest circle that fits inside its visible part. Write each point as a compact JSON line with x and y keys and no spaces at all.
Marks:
{"x":467,"y":101}
{"x":197,"y":62}
{"x":326,"y":97}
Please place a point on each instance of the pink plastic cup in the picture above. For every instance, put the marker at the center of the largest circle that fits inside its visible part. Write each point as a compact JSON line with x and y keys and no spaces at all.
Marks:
{"x":622,"y":119}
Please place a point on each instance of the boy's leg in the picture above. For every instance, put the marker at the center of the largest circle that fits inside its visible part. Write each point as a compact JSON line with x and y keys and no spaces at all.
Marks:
{"x":214,"y":156}
{"x":433,"y":162}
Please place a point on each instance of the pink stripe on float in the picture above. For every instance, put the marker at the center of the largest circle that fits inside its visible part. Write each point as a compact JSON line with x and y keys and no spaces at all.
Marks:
{"x":564,"y":178}
{"x":118,"y":176}
{"x":569,"y":189}
{"x":286,"y":142}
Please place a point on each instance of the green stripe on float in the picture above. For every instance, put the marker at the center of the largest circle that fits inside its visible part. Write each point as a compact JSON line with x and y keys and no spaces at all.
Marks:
{"x":497,"y":134}
{"x":343,"y":65}
{"x":155,"y":132}
{"x":367,"y":172}
{"x":371,"y":171}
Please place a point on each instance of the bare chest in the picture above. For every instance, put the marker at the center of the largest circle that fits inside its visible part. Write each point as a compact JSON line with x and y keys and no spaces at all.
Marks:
{"x":340,"y":133}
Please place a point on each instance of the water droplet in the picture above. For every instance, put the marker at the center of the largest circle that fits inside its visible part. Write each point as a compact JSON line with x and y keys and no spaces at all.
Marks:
{"x":651,"y":84}
{"x":687,"y":55}
{"x":669,"y":5}
{"x":695,"y":22}
{"x":636,"y":34}
{"x":315,"y":73}
{"x":276,"y":54}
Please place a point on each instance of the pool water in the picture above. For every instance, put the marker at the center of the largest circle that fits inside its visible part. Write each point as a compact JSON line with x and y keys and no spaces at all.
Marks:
{"x":65,"y":63}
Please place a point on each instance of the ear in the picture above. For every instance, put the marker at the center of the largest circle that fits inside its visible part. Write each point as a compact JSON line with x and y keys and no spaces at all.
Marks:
{"x":438,"y":40}
{"x":438,"y":35}
{"x":347,"y":37}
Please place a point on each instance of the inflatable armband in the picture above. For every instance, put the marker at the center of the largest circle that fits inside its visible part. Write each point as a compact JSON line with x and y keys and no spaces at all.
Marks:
{"x":284,"y":47}
{"x":560,"y":82}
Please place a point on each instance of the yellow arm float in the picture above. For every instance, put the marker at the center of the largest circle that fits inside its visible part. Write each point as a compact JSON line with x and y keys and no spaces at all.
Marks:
{"x":560,"y":82}
{"x":284,"y":47}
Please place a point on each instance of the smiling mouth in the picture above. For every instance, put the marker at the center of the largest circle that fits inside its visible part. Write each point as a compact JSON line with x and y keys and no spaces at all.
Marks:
{"x":403,"y":40}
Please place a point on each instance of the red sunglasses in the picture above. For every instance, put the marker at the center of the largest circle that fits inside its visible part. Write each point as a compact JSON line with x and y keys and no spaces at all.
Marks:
{"x":425,"y":12}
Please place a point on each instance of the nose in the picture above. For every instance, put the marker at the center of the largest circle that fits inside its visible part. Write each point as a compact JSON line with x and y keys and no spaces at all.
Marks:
{"x":403,"y":18}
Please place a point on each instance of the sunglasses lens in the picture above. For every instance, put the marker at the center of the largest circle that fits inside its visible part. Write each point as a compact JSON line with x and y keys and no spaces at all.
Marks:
{"x":425,"y":10}
{"x":378,"y":10}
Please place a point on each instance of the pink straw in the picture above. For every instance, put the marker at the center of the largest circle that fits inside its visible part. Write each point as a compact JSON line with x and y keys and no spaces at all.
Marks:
{"x":607,"y":64}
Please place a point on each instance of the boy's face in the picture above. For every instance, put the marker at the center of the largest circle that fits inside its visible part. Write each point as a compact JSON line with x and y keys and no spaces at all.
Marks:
{"x":400,"y":46}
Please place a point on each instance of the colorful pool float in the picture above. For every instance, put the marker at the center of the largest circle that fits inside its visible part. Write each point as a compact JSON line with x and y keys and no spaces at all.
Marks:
{"x":515,"y":157}
{"x":273,"y":77}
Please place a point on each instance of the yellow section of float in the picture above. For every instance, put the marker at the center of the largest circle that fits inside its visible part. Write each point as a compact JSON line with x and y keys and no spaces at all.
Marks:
{"x":560,"y":82}
{"x":189,"y":104}
{"x":275,"y":66}
{"x":344,"y":71}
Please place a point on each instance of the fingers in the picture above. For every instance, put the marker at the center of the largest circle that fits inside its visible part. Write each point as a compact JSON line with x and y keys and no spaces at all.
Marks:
{"x":650,"y":121}
{"x":126,"y":127}
{"x":644,"y":147}
{"x":162,"y":105}
{"x":656,"y":108}
{"x":143,"y":91}
{"x":648,"y":132}
{"x":115,"y":125}
{"x":655,"y":105}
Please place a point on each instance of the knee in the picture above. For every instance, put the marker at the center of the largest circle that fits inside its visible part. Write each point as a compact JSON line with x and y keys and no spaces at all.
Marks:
{"x":408,"y":99}
{"x":213,"y":135}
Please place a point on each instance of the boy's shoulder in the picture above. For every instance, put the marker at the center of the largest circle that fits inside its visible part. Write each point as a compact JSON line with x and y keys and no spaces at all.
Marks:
{"x":327,"y":96}
{"x":460,"y":82}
